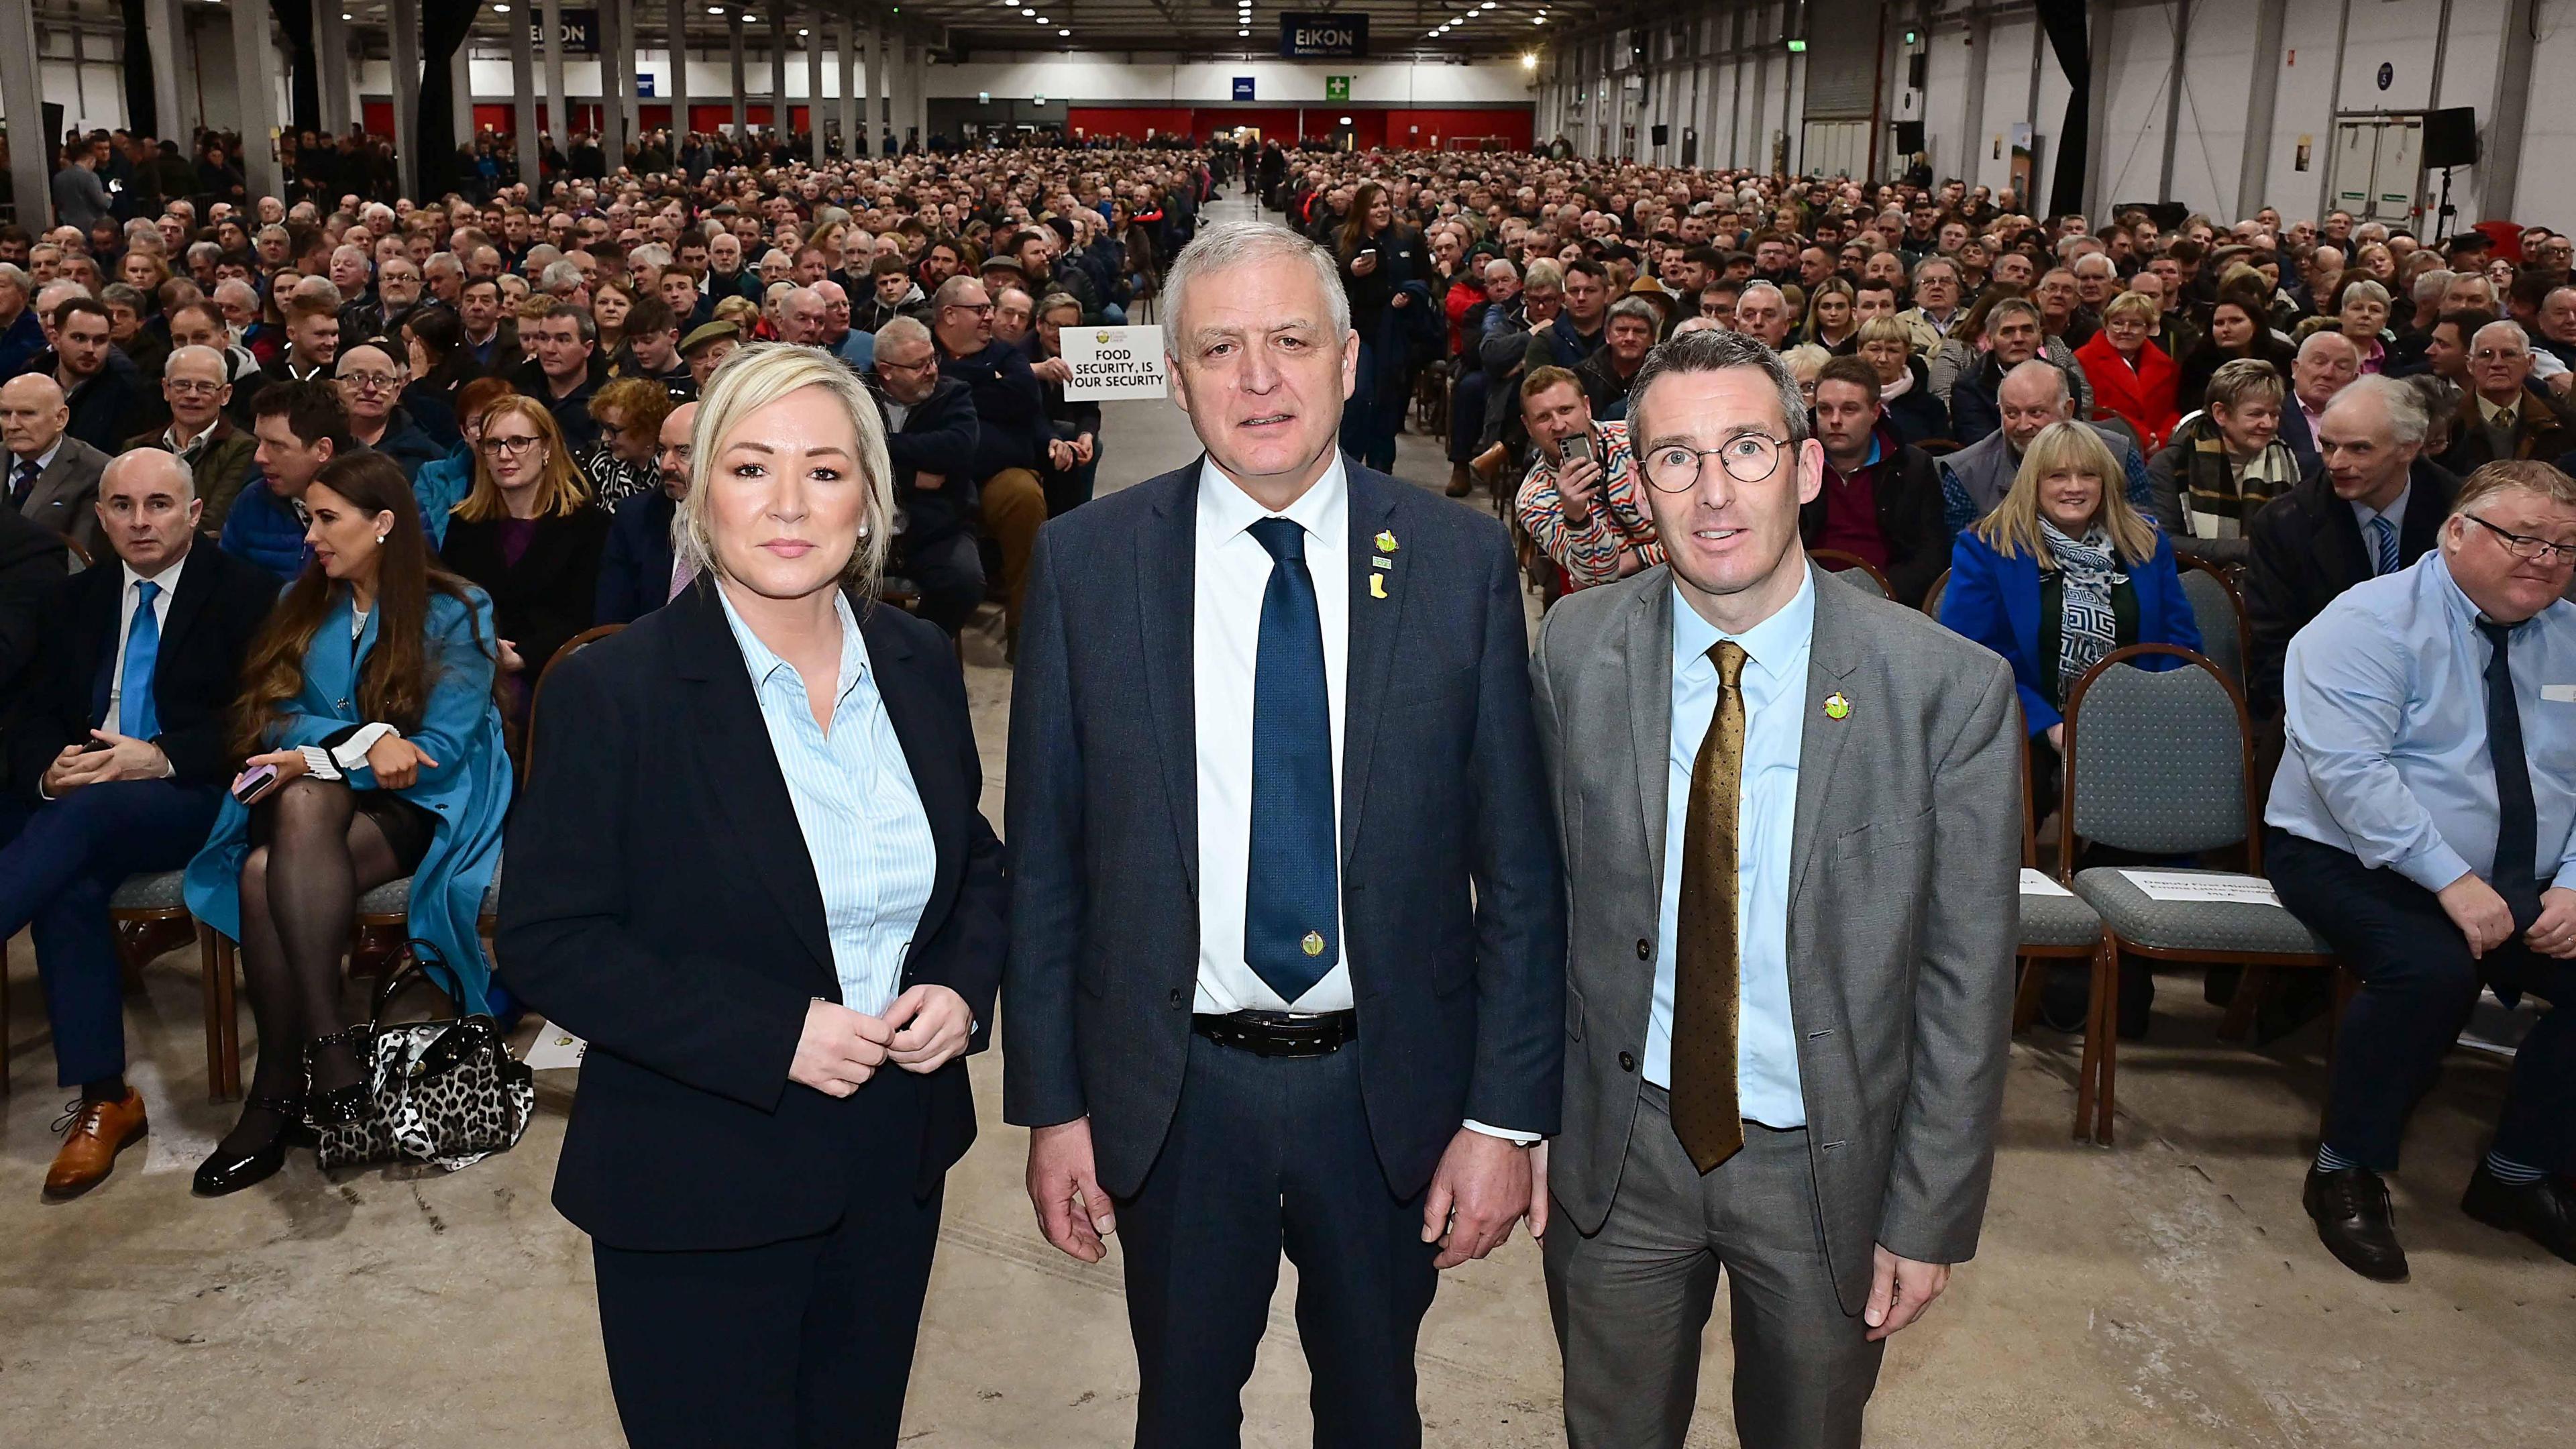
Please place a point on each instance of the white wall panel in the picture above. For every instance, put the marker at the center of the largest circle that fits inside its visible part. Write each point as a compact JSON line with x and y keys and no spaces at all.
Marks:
{"x":1944,"y":102}
{"x":2142,"y":45}
{"x":2549,"y":133}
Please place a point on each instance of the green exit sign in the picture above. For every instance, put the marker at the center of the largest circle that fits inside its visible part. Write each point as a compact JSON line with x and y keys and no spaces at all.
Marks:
{"x":1337,"y":88}
{"x":1797,"y":47}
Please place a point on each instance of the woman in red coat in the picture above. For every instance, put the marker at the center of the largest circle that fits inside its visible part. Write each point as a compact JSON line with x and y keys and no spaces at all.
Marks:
{"x":2132,"y":378}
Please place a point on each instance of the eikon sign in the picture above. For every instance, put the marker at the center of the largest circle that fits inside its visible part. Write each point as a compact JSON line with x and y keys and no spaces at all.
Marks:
{"x":1317,"y":36}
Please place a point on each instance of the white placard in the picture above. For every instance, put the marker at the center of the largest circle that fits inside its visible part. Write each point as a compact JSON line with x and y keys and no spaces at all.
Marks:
{"x":554,"y":1047}
{"x":2033,"y":883}
{"x":1114,"y":362}
{"x":2184,"y":885}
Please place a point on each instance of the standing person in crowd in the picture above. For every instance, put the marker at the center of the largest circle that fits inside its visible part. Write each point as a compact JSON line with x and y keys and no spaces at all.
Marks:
{"x":1880,"y":500}
{"x":1333,"y":1022}
{"x":53,"y":476}
{"x":2373,"y":507}
{"x":1581,"y":502}
{"x":779,"y":925}
{"x":2224,"y":464}
{"x":530,"y":539}
{"x":369,"y":694}
{"x":639,"y":567}
{"x":1382,"y":272}
{"x":2132,"y":379}
{"x":627,"y":414}
{"x":218,"y":454}
{"x":2422,"y":824}
{"x":297,"y":428}
{"x":116,"y":761}
{"x":1701,"y":1122}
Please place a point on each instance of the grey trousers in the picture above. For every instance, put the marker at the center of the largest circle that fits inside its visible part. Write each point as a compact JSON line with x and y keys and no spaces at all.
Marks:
{"x":1631,"y":1301}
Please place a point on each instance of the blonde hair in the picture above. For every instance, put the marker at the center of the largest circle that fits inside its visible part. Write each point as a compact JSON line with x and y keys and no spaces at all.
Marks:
{"x":2013,"y":528}
{"x":561,"y":492}
{"x":2150,"y":310}
{"x":752,"y":379}
{"x":1883,"y":329}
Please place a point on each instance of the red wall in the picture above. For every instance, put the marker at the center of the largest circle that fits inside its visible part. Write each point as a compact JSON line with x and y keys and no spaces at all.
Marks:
{"x":1438,"y":127}
{"x":1276,"y":123}
{"x":1131,"y":122}
{"x":716,"y":118}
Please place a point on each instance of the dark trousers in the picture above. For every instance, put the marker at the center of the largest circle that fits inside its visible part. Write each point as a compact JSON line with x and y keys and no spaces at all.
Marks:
{"x":1266,"y":1153}
{"x":792,"y":1345}
{"x":950,"y":576}
{"x":62,"y":861}
{"x":1467,"y":409}
{"x":2418,"y":982}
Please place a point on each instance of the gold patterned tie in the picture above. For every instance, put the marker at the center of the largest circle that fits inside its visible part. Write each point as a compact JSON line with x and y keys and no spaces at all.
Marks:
{"x":1705,"y":967}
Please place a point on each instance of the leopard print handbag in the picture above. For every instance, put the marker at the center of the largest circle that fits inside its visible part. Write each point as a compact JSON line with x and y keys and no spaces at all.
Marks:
{"x":447,"y":1092}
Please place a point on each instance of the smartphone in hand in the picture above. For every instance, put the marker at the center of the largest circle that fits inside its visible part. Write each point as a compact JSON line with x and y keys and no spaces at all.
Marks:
{"x":253,"y":785}
{"x":1578,"y":448}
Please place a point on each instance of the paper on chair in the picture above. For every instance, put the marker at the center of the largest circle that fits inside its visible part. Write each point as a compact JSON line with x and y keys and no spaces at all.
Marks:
{"x":2033,"y":883}
{"x":554,"y":1047}
{"x":2184,"y":885}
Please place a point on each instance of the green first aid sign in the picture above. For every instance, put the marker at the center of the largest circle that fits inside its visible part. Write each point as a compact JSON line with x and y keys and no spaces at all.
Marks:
{"x":1337,"y":88}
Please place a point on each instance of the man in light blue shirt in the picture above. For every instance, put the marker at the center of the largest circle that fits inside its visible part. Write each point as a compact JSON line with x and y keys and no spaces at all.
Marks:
{"x":2422,"y":822}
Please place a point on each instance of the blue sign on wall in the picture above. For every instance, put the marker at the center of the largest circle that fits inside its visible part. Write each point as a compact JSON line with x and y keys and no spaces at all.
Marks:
{"x":1317,"y":35}
{"x":644,"y":84}
{"x":1243,"y":88}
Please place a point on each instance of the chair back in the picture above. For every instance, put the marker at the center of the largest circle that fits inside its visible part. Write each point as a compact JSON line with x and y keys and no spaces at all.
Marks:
{"x":1852,"y":569}
{"x":1932,"y":595}
{"x":80,"y":555}
{"x":2220,"y":614}
{"x":537,"y":699}
{"x":2158,"y":764}
{"x":1940,"y":447}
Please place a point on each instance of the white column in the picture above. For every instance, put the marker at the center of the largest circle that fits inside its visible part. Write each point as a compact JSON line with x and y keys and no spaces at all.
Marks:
{"x":558,"y":114}
{"x":163,"y":29}
{"x":814,"y":43}
{"x":921,"y":92}
{"x":460,"y":84}
{"x":402,"y":23}
{"x":881,"y":85}
{"x":634,"y":107}
{"x":741,"y":110}
{"x":22,"y":100}
{"x":678,"y":23}
{"x":254,"y":82}
{"x":523,"y":76}
{"x":616,"y":65}
{"x":779,"y":118}
{"x":850,"y":146}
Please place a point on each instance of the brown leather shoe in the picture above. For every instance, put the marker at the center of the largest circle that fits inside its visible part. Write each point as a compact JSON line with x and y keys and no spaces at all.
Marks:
{"x":93,"y":1133}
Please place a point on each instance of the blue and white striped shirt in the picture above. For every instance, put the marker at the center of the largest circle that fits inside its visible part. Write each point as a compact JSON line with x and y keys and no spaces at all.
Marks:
{"x":857,"y":807}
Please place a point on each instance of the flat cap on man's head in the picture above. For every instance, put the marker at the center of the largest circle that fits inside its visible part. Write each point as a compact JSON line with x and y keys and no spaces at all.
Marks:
{"x":707,"y":332}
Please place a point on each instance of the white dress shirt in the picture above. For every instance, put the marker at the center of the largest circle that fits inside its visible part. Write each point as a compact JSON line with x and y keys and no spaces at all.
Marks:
{"x":1232,"y":573}
{"x":126,"y":599}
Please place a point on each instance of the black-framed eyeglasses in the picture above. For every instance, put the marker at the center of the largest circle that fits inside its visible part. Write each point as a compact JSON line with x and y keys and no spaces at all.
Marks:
{"x":2525,"y":547}
{"x":1746,"y":457}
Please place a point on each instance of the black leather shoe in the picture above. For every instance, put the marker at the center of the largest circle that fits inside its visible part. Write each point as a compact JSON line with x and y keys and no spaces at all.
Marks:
{"x":228,"y":1172}
{"x":343,"y":1104}
{"x":2543,"y":1211}
{"x":2356,"y":1223}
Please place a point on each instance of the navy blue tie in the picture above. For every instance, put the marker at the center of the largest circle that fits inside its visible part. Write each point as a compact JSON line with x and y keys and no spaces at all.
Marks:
{"x":1292,"y":893}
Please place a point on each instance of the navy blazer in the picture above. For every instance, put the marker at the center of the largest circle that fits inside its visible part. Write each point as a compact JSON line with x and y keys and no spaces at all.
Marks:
{"x":2295,"y":432}
{"x":1995,"y":601}
{"x":635,"y":565}
{"x":1452,"y":897}
{"x":659,"y":902}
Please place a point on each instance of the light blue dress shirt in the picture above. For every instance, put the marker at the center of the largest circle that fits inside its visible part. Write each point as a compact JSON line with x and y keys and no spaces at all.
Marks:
{"x":2386,"y":697}
{"x":856,"y":806}
{"x":1774,"y":682}
{"x":2365,"y":515}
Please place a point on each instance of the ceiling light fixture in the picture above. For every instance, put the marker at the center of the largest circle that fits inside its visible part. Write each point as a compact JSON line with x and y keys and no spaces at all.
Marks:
{"x":1064,"y":32}
{"x":1243,"y":32}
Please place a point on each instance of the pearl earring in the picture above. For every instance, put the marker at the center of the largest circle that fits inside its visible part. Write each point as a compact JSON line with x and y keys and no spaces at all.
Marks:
{"x":380,"y":538}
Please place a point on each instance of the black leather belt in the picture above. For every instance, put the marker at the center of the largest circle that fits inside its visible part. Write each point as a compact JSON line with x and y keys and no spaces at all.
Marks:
{"x":1281,"y":1033}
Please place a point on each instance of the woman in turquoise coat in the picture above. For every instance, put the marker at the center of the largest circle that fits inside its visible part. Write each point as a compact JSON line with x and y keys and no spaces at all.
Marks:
{"x":369,"y":695}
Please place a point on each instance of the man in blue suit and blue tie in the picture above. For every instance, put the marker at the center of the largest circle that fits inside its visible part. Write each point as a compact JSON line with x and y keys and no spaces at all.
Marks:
{"x":1287,"y":967}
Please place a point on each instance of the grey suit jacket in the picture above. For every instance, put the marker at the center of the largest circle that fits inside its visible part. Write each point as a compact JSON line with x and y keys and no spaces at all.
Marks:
{"x":64,"y":492}
{"x":1903,"y":906}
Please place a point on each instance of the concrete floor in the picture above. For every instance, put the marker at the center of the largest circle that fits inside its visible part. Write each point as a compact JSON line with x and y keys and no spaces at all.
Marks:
{"x":2169,"y":1292}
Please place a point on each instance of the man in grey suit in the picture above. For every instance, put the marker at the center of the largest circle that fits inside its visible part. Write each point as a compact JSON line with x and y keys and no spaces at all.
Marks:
{"x":1975,"y":479}
{"x":52,"y":476}
{"x":1791,"y":818}
{"x":1288,"y":931}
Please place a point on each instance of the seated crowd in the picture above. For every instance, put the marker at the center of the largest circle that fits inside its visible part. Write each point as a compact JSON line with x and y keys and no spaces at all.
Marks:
{"x":458,"y":432}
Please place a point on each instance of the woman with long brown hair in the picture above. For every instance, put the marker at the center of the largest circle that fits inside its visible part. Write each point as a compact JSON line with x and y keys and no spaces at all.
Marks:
{"x":372,"y":751}
{"x":528,"y":536}
{"x":1383,"y":264}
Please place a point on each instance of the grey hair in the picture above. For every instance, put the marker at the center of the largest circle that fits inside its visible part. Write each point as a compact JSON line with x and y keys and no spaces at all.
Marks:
{"x":2432,"y":283}
{"x":13,"y":275}
{"x":1224,"y":247}
{"x":2368,"y":292}
{"x":442,"y":264}
{"x":2056,"y":377}
{"x":2510,"y":328}
{"x":651,"y":254}
{"x":1777,"y":295}
{"x":1717,"y":352}
{"x":1639,"y":308}
{"x":121,"y":294}
{"x":903,"y":329}
{"x":2319,"y":338}
{"x":1506,"y":264}
{"x":750,"y":380}
{"x":559,"y":274}
{"x":204,"y":251}
{"x":2407,"y":418}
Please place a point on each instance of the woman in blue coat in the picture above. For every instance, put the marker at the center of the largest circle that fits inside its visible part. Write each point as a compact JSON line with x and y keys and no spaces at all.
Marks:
{"x":369,"y":695}
{"x":2062,"y":573}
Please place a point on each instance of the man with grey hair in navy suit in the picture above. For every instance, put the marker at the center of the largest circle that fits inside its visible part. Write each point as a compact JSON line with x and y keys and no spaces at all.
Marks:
{"x":1288,"y":941}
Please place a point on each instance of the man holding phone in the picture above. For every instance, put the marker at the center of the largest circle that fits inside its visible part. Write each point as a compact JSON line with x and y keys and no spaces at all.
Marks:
{"x":1580,"y":500}
{"x":116,"y":767}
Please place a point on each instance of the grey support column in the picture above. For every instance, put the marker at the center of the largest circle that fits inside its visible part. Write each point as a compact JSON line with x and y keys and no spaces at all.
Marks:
{"x":921,"y":92}
{"x":850,"y":144}
{"x":814,"y":84}
{"x":558,"y":110}
{"x":255,"y":84}
{"x":2173,"y":98}
{"x":678,"y":21}
{"x":523,"y":78}
{"x":616,"y":63}
{"x":741,"y":107}
{"x":881,"y":85}
{"x":22,"y":101}
{"x":402,"y":24}
{"x":331,"y":69}
{"x":781,"y":118}
{"x":2499,"y":172}
{"x":2097,"y":138}
{"x":164,"y":30}
{"x":1973,"y":122}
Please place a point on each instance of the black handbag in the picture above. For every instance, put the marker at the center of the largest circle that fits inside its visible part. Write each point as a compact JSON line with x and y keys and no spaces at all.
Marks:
{"x":447,"y":1092}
